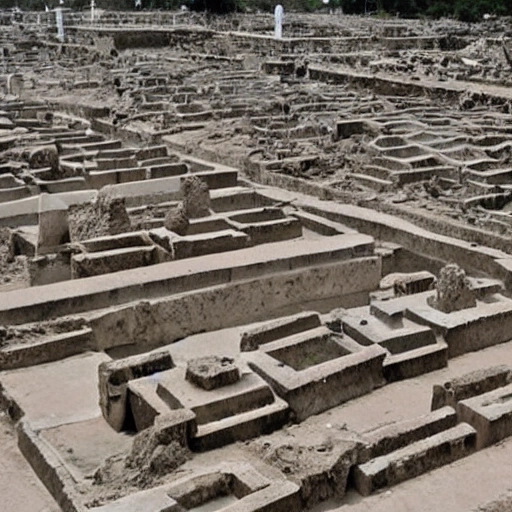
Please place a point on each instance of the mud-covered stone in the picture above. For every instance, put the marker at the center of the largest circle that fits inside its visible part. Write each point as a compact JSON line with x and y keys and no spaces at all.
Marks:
{"x":105,"y":216}
{"x":196,"y":197}
{"x":163,"y":447}
{"x":176,"y":220}
{"x":454,"y":290}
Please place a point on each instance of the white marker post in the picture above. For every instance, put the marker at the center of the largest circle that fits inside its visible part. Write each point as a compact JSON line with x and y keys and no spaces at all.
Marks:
{"x":279,"y":15}
{"x":93,"y":5}
{"x":60,"y":22}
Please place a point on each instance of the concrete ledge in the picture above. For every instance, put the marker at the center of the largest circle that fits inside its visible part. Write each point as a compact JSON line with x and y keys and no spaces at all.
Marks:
{"x":241,"y":427}
{"x":52,"y":349}
{"x":50,"y":470}
{"x":416,"y":362}
{"x":397,"y":435}
{"x":490,"y":414}
{"x":65,"y":298}
{"x":275,"y":329}
{"x":154,"y":500}
{"x":415,"y":459}
{"x":163,"y":321}
{"x":470,"y":385}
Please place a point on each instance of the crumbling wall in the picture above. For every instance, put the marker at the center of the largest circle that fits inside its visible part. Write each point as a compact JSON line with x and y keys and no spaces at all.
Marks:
{"x":106,"y":216}
{"x":454,"y":290}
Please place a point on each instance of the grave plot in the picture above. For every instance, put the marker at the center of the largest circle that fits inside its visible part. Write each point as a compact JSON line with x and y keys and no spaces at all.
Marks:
{"x":469,"y":315}
{"x":233,"y":488}
{"x":482,"y":399}
{"x":216,"y":402}
{"x":414,"y":341}
{"x":468,"y":413}
{"x":412,"y":348}
{"x":415,"y":458}
{"x":313,"y":369}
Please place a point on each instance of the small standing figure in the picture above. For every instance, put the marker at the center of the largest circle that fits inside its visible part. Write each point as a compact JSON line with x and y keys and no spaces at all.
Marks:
{"x":138,"y":5}
{"x":279,"y":15}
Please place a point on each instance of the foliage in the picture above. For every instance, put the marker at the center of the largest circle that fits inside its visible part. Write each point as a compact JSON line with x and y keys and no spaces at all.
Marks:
{"x":464,"y":10}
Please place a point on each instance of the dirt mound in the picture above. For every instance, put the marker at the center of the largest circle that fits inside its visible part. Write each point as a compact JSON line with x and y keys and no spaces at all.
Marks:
{"x":176,"y":220}
{"x":12,"y":269}
{"x":106,"y":216}
{"x":196,"y":201}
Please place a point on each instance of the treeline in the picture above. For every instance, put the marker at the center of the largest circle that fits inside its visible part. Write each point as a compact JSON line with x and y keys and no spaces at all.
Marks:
{"x":464,"y":10}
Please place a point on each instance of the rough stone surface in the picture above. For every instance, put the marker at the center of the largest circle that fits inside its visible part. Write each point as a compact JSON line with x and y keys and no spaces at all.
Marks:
{"x":469,"y":385}
{"x":453,"y":290}
{"x":319,"y":466}
{"x":113,"y":378}
{"x":106,"y":216}
{"x":163,"y":447}
{"x":196,"y":197}
{"x":44,"y":156}
{"x":212,"y":372}
{"x":176,"y":220}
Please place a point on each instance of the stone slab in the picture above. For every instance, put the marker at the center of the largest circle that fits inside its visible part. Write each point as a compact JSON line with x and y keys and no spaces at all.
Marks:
{"x":392,"y":437}
{"x":490,"y":414}
{"x":415,"y":459}
{"x":250,"y":392}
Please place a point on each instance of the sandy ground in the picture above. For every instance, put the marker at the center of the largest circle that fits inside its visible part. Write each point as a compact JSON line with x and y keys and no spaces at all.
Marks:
{"x":20,"y":489}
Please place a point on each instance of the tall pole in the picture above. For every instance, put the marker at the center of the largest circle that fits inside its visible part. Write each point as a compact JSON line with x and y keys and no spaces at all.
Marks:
{"x":278,"y":15}
{"x":60,"y":22}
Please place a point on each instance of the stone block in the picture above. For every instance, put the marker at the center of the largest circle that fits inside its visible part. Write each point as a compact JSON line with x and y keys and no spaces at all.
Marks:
{"x":322,"y":379}
{"x":212,"y":372}
{"x":470,"y":385}
{"x":275,"y":329}
{"x":113,"y":379}
{"x":398,"y":435}
{"x":490,"y":414}
{"x":415,"y":459}
{"x":53,"y":223}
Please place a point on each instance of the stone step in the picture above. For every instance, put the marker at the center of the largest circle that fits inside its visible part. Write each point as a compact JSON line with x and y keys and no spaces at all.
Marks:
{"x":114,"y":260}
{"x":421,"y":174}
{"x":91,"y":146}
{"x":414,"y":460}
{"x":393,"y":437}
{"x":277,"y":329}
{"x":239,"y":427}
{"x":248,"y":394}
{"x":490,"y":414}
{"x":374,"y":183}
{"x":321,"y":225}
{"x":469,"y":385}
{"x":415,"y":362}
{"x":48,"y":349}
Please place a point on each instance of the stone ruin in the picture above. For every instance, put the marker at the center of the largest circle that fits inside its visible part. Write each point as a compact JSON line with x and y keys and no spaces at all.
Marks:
{"x":236,"y":345}
{"x":453,"y":291}
{"x":212,"y":372}
{"x":105,"y":216}
{"x":195,"y":204}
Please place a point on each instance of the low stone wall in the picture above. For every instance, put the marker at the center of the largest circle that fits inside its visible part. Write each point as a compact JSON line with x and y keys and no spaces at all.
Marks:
{"x":167,"y":320}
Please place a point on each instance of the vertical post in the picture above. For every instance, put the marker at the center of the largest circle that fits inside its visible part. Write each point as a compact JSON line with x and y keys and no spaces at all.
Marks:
{"x":278,"y":14}
{"x":93,"y":5}
{"x":60,"y":22}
